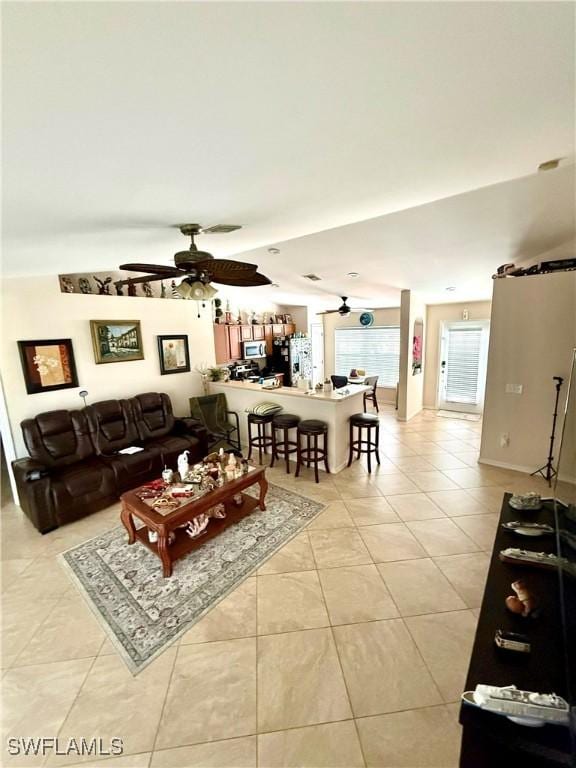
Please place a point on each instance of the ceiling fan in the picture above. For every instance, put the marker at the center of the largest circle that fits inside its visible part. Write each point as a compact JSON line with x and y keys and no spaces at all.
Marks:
{"x":199,"y":268}
{"x":344,"y":310}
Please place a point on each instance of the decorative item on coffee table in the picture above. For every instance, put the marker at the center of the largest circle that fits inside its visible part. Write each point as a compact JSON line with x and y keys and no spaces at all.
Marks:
{"x":195,"y":519}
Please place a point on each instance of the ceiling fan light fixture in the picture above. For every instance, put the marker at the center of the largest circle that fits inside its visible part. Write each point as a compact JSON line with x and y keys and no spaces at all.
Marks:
{"x":195,"y":290}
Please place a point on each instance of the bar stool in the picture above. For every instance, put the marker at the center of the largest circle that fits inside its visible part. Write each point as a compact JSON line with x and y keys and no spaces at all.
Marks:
{"x":283,"y":448}
{"x":260,"y":440}
{"x":312,"y":454}
{"x":367,"y":421}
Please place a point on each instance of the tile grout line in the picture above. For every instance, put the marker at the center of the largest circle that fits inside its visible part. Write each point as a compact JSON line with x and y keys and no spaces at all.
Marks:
{"x":73,"y":703}
{"x":257,"y":713}
{"x":177,"y":647}
{"x":333,"y":636}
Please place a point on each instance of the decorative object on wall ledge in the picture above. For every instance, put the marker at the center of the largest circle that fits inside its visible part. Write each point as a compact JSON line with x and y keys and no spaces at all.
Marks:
{"x":417,"y":346}
{"x":107,"y":284}
{"x":48,"y":365}
{"x":116,"y":341}
{"x":173,"y":353}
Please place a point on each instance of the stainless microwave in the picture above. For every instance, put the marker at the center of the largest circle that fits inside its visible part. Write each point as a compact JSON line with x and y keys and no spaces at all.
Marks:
{"x":254,"y":349}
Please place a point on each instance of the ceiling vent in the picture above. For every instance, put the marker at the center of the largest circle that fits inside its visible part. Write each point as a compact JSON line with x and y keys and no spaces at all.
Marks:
{"x":312,"y":277}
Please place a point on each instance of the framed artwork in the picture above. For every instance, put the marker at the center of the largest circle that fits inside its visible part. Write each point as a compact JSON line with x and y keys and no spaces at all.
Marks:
{"x":417,"y":346}
{"x":287,"y":318}
{"x":116,"y":341}
{"x":173,"y":353}
{"x":48,"y":364}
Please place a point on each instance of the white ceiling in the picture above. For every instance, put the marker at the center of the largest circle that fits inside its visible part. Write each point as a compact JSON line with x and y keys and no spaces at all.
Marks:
{"x":122,"y":119}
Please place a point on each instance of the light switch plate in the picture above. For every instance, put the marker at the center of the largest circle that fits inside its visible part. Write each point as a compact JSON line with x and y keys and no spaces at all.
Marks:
{"x":514,"y":389}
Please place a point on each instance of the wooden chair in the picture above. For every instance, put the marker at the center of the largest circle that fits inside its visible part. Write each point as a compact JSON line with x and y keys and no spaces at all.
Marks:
{"x":371,"y":381}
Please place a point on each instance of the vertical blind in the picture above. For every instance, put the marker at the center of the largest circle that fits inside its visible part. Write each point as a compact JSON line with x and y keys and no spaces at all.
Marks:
{"x":462,"y":365}
{"x":376,"y":350}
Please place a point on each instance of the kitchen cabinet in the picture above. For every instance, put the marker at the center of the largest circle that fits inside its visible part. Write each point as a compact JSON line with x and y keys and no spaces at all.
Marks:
{"x":228,"y":339}
{"x":221,"y":343}
{"x":258,"y":332}
{"x":269,"y":338}
{"x":235,"y":338}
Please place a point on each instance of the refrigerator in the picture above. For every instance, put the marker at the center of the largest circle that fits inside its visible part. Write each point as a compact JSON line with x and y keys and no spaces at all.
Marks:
{"x":293,"y":358}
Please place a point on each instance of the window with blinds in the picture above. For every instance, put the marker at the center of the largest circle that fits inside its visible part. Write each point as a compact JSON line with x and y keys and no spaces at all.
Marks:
{"x":376,"y":350}
{"x":462,"y":365}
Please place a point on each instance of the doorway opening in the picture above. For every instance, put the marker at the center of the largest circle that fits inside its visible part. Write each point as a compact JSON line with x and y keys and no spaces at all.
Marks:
{"x":463,"y":362}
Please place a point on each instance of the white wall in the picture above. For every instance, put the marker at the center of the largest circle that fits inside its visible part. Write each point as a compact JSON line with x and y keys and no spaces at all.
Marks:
{"x":299,"y":316}
{"x":34,"y":308}
{"x":411,"y":387}
{"x":532,"y":334}
{"x":333,"y":320}
{"x":436,"y":314}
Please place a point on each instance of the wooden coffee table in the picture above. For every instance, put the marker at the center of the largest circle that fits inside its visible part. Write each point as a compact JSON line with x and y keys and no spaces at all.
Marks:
{"x":165,"y":523}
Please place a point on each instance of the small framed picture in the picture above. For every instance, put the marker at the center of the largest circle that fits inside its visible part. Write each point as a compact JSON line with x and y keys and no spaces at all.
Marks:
{"x":48,"y":364}
{"x":173,"y":353}
{"x":116,"y":341}
{"x":287,"y":318}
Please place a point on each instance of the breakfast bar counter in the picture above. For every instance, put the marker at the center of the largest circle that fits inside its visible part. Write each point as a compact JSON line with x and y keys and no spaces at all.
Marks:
{"x":334,"y":408}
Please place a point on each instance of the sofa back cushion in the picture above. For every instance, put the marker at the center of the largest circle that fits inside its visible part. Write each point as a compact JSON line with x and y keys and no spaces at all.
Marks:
{"x":153,"y":413}
{"x":58,"y":438}
{"x":112,"y":425}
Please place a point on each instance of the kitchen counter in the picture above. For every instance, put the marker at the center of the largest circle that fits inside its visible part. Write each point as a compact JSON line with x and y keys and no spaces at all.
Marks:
{"x":337,"y":396}
{"x":334,"y":408}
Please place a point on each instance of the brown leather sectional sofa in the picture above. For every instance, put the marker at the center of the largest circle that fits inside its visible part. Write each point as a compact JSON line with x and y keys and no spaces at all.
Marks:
{"x":75,"y":467}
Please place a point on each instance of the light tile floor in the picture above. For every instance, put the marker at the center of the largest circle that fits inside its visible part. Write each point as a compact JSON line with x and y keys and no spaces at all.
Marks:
{"x":349,"y":647}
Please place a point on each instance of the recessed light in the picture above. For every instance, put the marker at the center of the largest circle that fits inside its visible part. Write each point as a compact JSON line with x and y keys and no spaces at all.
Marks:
{"x":274,"y":251}
{"x":312,"y":277}
{"x":451,"y":288}
{"x":353,"y":274}
{"x":550,"y":165}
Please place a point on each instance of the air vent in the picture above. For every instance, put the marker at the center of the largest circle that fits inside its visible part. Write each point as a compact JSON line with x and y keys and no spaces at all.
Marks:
{"x":312,"y":277}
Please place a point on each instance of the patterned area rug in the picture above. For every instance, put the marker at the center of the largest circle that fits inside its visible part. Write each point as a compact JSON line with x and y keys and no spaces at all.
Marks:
{"x":142,"y":612}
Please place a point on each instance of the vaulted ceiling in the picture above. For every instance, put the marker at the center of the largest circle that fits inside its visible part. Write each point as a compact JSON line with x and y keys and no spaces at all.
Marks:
{"x":398,"y":140}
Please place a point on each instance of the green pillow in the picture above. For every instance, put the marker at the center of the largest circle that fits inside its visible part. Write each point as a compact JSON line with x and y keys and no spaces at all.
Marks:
{"x":264,"y":409}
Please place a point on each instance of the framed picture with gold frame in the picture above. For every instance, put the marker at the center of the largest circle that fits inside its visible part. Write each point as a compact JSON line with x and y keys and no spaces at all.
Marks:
{"x":116,"y":341}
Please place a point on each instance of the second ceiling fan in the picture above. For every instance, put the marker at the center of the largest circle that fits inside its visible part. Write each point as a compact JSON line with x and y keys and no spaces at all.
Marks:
{"x":344,"y":310}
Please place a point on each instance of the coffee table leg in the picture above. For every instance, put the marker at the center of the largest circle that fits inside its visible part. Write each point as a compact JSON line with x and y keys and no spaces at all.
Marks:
{"x":263,"y":483}
{"x":128,"y":523}
{"x":163,"y":552}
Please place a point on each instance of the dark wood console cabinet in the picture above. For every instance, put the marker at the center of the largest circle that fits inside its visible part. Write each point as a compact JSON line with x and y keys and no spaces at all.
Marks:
{"x":492,"y":740}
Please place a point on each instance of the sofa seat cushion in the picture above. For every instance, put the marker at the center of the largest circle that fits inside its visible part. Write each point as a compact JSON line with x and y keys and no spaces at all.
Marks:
{"x":82,"y":485}
{"x":132,"y":470}
{"x":171,"y":447}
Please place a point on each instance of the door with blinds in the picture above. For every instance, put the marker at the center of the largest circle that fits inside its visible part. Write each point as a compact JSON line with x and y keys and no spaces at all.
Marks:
{"x":464,"y":355}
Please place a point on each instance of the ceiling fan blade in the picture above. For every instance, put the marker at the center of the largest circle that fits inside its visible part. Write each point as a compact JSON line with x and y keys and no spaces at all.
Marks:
{"x":225,"y":267}
{"x":223,"y":228}
{"x":252,"y":279}
{"x":145,"y":279}
{"x":155,"y":268}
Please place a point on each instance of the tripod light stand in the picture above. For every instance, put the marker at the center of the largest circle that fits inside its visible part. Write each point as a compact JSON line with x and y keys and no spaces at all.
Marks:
{"x":548,"y":471}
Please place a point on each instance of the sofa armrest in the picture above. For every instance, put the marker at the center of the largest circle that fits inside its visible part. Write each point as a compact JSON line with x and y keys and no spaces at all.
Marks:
{"x":29,"y":470}
{"x":189,"y":426}
{"x":34,"y":485}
